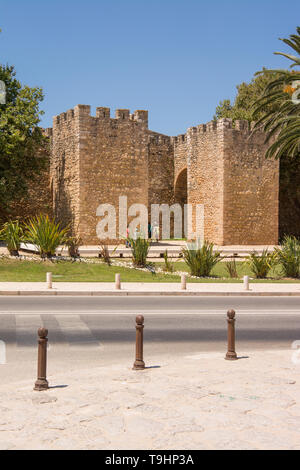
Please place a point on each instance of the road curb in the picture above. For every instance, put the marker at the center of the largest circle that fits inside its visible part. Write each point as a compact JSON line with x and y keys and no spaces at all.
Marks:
{"x":147,"y":293}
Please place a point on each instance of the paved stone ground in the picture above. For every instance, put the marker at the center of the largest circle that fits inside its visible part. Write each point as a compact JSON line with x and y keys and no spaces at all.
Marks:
{"x":196,"y":402}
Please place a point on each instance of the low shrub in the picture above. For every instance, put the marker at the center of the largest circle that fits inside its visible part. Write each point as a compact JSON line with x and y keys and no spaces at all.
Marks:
{"x":13,"y":235}
{"x":288,"y":256}
{"x":260,"y":265}
{"x":73,"y":244}
{"x":201,"y":259}
{"x":104,"y":254}
{"x":46,"y":235}
{"x":139,"y":249}
{"x":169,"y":266}
{"x":231,"y":268}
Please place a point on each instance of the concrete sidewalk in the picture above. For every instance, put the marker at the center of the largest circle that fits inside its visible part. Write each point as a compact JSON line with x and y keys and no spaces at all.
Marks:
{"x":149,"y":288}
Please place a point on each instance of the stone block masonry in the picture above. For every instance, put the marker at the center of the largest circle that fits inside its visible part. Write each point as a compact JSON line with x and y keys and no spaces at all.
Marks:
{"x":96,"y":159}
{"x":228,"y":173}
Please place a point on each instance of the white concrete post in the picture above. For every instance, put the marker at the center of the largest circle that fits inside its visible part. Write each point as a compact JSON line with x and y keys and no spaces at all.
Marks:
{"x":49,"y":280}
{"x":183,"y":281}
{"x":246,"y":282}
{"x":2,"y":352}
{"x":118,"y":281}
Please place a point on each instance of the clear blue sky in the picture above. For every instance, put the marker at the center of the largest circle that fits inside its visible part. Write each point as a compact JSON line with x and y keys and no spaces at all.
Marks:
{"x":176,"y":58}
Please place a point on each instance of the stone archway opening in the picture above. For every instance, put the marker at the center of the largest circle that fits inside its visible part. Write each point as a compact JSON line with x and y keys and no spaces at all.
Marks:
{"x":181,"y":195}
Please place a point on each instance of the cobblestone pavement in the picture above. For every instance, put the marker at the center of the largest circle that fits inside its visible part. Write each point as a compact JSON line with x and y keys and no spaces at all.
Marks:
{"x":198,"y":401}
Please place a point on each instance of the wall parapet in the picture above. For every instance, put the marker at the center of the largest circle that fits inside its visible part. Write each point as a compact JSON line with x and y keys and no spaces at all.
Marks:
{"x":82,"y":111}
{"x":219,"y":126}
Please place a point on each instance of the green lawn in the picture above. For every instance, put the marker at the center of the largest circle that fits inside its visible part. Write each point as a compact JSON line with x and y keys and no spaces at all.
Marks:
{"x":66,"y":271}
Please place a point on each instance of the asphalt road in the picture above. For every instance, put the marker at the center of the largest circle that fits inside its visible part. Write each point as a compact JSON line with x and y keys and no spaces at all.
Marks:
{"x":87,"y":331}
{"x":149,"y":304}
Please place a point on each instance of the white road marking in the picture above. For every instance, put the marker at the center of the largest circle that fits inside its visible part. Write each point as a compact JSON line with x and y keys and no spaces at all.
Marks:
{"x":76,"y":332}
{"x":26,"y":329}
{"x":151,"y":312}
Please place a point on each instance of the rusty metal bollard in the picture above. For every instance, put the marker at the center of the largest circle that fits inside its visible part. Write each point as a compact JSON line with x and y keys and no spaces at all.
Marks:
{"x":42,"y":383}
{"x":231,"y":354}
{"x":139,"y":363}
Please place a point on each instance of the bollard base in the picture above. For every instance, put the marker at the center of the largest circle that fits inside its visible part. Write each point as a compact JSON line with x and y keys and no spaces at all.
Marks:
{"x":138,"y":365}
{"x":231,"y":356}
{"x":40,"y":385}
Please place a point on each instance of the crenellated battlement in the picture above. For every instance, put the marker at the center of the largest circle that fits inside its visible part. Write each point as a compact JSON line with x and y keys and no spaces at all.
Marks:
{"x":179,"y":139}
{"x":82,"y":112}
{"x":219,"y":126}
{"x":155,"y":138}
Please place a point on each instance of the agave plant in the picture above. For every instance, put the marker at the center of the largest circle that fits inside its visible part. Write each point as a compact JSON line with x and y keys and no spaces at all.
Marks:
{"x":12,"y":233}
{"x":139,"y":249}
{"x":46,"y":235}
{"x":288,"y":256}
{"x":201,"y":259}
{"x":260,"y":265}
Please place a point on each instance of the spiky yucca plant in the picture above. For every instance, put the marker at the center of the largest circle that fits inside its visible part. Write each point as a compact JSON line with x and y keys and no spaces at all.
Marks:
{"x":260,"y":265}
{"x":201,"y":259}
{"x":288,"y":256}
{"x":12,"y":233}
{"x":139,"y":249}
{"x":46,"y":235}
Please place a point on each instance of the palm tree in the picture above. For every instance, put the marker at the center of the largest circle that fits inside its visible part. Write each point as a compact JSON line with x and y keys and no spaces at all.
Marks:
{"x":281,"y":107}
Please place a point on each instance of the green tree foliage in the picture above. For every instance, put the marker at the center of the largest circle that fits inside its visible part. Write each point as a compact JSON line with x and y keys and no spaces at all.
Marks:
{"x":21,"y":140}
{"x":247,"y":95}
{"x":277,"y":111}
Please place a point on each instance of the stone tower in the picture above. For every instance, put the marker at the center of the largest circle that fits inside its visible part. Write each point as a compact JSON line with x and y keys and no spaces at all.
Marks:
{"x":97,"y":159}
{"x":226,"y":171}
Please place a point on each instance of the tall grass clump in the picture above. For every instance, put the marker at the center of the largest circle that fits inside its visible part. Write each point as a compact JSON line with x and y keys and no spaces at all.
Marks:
{"x":104,"y":254}
{"x":260,"y":265}
{"x":73,"y":243}
{"x":288,"y":256}
{"x":168,"y":266}
{"x":13,"y":235}
{"x":201,"y":259}
{"x":46,"y":235}
{"x":139,"y":249}
{"x":231,"y":268}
